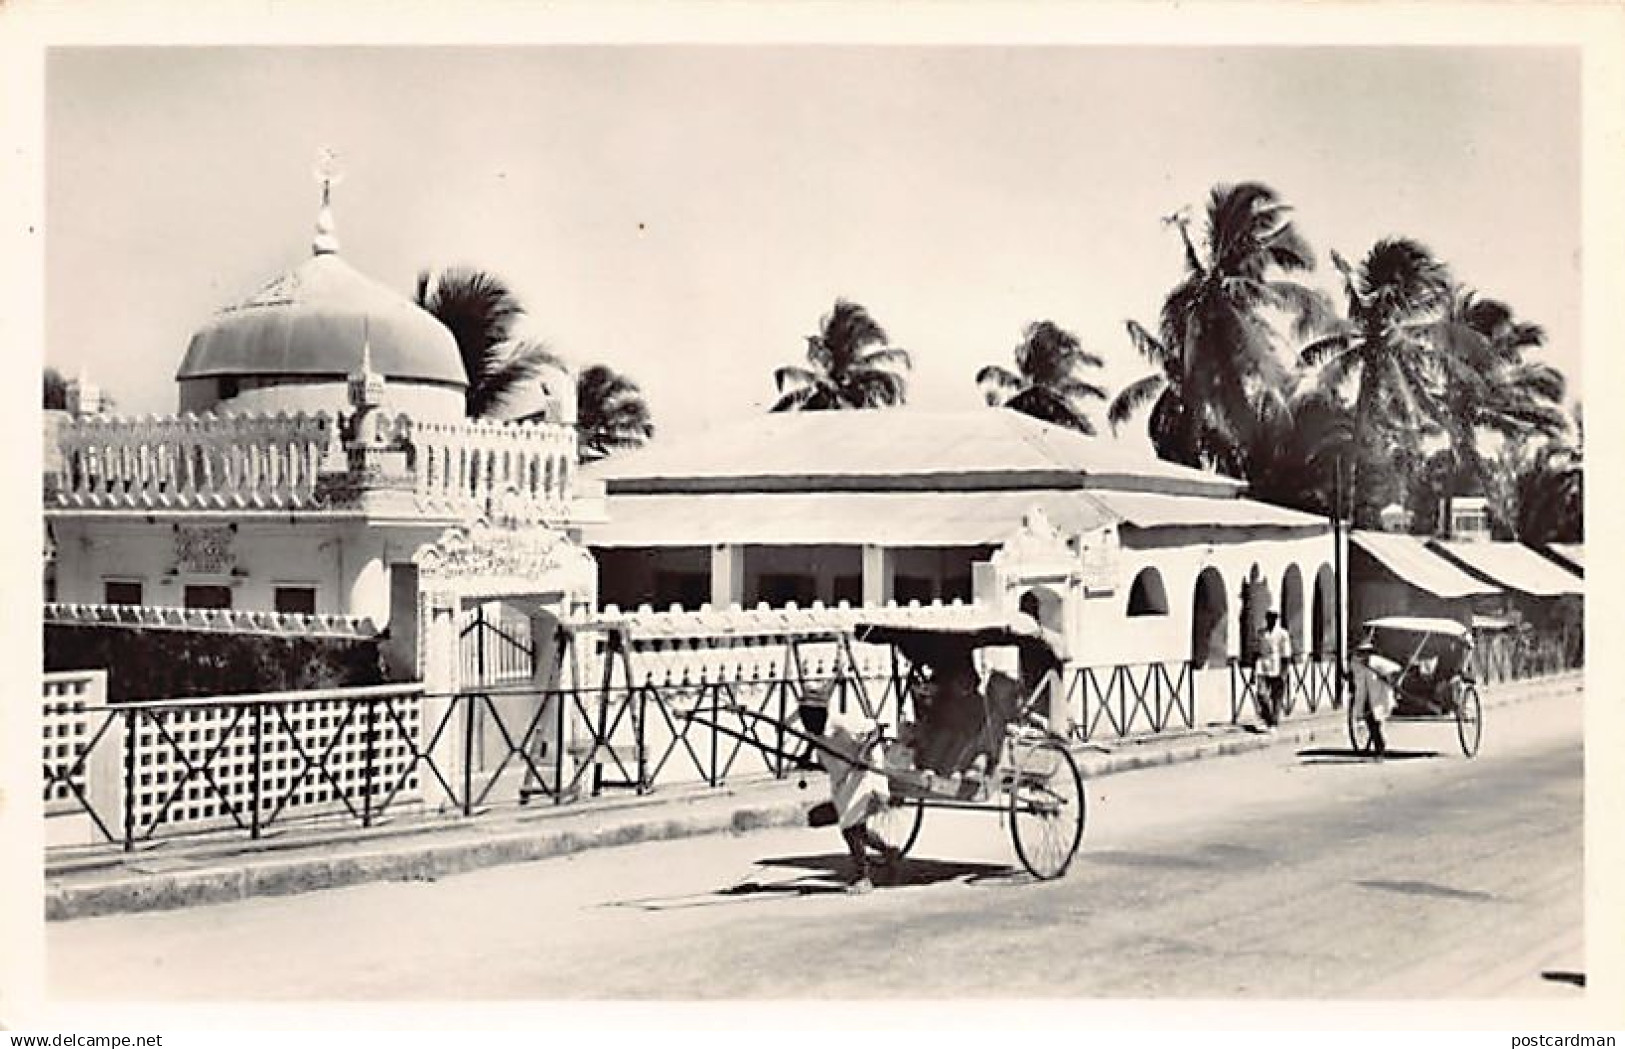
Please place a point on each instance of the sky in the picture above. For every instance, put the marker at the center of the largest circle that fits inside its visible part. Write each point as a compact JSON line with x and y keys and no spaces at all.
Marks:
{"x":688,"y":213}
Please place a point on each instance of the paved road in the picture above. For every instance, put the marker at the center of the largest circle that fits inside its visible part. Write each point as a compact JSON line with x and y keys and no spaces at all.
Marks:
{"x":1280,"y":874}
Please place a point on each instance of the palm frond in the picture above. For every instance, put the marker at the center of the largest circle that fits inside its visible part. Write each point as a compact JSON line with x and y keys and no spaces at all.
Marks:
{"x":1134,"y":396}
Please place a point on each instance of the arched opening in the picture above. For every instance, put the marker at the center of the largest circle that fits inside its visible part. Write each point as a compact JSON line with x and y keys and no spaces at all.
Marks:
{"x":1146,"y":595}
{"x":1255,"y":602}
{"x":1325,"y":606}
{"x":1209,"y":609}
{"x":1292,"y":606}
{"x":1044,"y":605}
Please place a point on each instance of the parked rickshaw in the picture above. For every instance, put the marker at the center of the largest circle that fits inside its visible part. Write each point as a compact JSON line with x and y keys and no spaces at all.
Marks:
{"x":1425,"y":666}
{"x":977,"y":720}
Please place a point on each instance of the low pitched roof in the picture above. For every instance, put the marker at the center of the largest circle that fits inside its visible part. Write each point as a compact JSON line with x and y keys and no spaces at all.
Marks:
{"x":1409,"y":558}
{"x":920,"y":519}
{"x":896,"y":449}
{"x":1514,"y":567}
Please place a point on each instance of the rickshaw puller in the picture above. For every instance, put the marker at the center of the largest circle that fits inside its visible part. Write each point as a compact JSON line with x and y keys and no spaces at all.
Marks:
{"x":856,"y":791}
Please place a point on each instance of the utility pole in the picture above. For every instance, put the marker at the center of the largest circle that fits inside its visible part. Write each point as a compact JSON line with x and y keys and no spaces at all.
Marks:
{"x":1339,"y":590}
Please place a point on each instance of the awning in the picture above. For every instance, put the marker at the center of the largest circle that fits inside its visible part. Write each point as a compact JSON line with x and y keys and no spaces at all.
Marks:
{"x":1156,"y":510}
{"x":1408,"y":557}
{"x":893,"y":519}
{"x":1514,"y":567}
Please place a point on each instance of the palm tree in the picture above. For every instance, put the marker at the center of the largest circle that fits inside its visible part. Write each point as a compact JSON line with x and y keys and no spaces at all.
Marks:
{"x":1390,"y":344}
{"x":1217,"y":368}
{"x":611,"y":414}
{"x":1489,"y":385}
{"x":482,"y":311}
{"x":849,"y":363}
{"x":1291,"y":459}
{"x":1045,"y":384}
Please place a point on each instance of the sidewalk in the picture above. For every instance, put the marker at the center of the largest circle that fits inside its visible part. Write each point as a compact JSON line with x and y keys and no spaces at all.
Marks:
{"x":188,"y":872}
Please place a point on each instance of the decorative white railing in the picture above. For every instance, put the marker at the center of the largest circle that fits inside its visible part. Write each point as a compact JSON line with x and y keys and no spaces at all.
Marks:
{"x":224,"y":620}
{"x":195,"y":461}
{"x":276,"y":462}
{"x":471,"y":463}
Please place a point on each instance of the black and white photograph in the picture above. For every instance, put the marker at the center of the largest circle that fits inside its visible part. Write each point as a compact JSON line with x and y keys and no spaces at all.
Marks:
{"x":790,"y":512}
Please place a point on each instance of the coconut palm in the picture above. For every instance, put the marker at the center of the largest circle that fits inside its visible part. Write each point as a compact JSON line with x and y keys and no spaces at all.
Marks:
{"x":1390,"y":345}
{"x":482,"y":312}
{"x":1217,"y":369}
{"x":1489,"y":385}
{"x":611,"y":414}
{"x":1296,"y":444}
{"x":849,"y":365}
{"x":1046,"y":383}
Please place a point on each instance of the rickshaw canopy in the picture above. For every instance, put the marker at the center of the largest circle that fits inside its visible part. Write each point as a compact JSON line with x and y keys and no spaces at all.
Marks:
{"x":1420,"y":625}
{"x":920,"y":643}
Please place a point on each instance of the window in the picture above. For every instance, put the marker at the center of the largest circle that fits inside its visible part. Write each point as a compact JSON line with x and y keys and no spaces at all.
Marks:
{"x":780,"y":589}
{"x":207,"y":597}
{"x":121,"y":592}
{"x":1146,"y":597}
{"x":296,"y":600}
{"x":689,"y":589}
{"x":908,"y":588}
{"x":849,"y":588}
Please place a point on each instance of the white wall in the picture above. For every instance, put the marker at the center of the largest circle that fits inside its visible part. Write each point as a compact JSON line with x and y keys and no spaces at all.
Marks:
{"x":1106,"y":634}
{"x":343,"y":561}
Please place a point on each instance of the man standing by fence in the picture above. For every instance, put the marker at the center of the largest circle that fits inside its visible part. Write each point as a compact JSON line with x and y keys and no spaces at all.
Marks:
{"x":1274,"y":652}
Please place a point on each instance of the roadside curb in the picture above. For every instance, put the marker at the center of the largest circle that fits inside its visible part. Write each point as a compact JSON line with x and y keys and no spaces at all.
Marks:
{"x":462,"y":848}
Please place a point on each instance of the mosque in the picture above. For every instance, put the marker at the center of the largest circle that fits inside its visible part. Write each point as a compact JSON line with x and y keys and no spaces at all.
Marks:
{"x":319,"y":469}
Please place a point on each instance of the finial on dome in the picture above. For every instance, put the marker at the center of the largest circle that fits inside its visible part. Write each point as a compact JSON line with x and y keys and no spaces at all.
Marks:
{"x":329,"y":172}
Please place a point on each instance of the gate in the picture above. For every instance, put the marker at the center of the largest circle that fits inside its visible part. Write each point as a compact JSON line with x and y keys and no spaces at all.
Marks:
{"x":495,"y":650}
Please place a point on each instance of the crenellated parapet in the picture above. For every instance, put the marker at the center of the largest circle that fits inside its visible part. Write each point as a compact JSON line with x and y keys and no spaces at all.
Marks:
{"x":316,"y":461}
{"x":205,"y":462}
{"x":470,"y":465}
{"x":223,"y":620}
{"x":646,"y":624}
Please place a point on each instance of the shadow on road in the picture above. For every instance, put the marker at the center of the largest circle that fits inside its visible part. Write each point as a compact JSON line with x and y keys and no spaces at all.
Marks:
{"x":911,"y":871}
{"x":825,"y":874}
{"x":1336,"y":756}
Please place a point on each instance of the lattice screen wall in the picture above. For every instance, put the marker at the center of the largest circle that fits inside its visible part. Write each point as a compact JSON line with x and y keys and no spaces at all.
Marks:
{"x":67,"y":727}
{"x":197,"y":731}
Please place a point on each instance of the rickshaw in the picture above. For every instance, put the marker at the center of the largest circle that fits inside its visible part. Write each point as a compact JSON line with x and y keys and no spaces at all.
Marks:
{"x":1425,"y":664}
{"x":968,"y":737}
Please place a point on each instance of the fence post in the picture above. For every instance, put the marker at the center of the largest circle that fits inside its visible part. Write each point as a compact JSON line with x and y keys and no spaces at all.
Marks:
{"x":259,"y":771}
{"x":778,"y":735}
{"x":558,"y":749}
{"x":367,"y":771}
{"x":129,"y":780}
{"x":468,"y":752}
{"x":715,"y":711}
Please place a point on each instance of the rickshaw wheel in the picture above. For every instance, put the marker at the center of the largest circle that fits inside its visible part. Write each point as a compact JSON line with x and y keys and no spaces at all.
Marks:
{"x":898,"y":825}
{"x":1047,"y":808}
{"x":1469,"y":720}
{"x":1359,"y":731}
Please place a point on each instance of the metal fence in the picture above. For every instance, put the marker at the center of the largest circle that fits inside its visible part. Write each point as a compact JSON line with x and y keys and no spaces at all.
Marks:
{"x":1310,"y":684}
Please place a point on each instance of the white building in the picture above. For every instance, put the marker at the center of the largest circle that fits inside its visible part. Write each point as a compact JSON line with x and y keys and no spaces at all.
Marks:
{"x":320,"y":464}
{"x":1135,"y":559}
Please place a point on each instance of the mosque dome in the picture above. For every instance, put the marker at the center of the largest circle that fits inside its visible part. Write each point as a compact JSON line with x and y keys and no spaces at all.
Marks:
{"x":309,"y":324}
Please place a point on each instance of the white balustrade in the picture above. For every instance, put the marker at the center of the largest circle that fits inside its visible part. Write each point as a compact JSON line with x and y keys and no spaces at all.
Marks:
{"x":194,"y":461}
{"x":469,"y":463}
{"x":278,"y":461}
{"x":224,"y":620}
